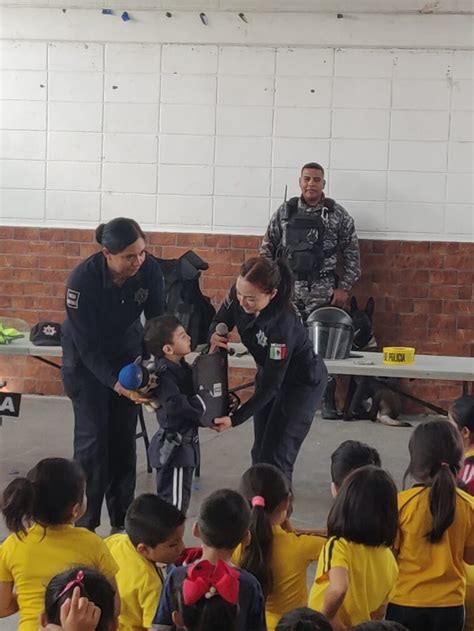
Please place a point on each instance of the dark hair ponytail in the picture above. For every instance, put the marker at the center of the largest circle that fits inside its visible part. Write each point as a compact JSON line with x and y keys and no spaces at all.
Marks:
{"x":268,"y":275}
{"x":207,"y":614}
{"x":93,"y":586}
{"x":436,"y":454}
{"x":269,"y":483}
{"x":118,"y":234}
{"x":45,"y":496}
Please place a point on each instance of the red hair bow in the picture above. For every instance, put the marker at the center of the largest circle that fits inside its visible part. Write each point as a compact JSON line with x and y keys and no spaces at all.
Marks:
{"x":205,"y":580}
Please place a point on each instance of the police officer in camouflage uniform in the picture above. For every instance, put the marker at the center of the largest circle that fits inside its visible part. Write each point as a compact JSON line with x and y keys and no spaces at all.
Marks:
{"x":309,"y":231}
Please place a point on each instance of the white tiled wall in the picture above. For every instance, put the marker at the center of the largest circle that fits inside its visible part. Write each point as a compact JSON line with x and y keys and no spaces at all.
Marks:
{"x":205,"y":137}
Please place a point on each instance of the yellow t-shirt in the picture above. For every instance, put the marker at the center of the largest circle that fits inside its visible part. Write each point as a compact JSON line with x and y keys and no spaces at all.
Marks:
{"x":431,"y":574}
{"x":291,"y":556}
{"x":139,"y":584}
{"x":32,"y":561}
{"x":372,"y":574}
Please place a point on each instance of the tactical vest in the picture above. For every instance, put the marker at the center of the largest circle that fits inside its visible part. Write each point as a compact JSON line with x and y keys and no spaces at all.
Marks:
{"x":302,"y":242}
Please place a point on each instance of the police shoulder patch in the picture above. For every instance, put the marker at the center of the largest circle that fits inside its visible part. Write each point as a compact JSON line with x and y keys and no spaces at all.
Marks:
{"x":277,"y":351}
{"x":72,"y":299}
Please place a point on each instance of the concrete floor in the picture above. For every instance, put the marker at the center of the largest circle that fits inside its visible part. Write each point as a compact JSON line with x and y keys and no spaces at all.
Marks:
{"x":45,"y":429}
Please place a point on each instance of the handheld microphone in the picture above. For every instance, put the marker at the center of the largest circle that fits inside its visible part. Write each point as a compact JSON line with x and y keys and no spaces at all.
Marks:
{"x":223,"y":330}
{"x":134,"y":377}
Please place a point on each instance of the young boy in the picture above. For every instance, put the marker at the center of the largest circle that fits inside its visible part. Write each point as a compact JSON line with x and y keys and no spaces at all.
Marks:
{"x":174,"y":449}
{"x":222,"y":524}
{"x":154,"y":535}
{"x":350,"y":455}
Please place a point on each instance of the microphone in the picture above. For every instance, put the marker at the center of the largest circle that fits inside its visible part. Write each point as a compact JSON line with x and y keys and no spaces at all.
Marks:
{"x":223,"y":330}
{"x":134,"y":377}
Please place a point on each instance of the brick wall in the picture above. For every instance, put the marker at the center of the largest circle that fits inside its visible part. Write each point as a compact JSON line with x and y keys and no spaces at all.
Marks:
{"x":422,"y":291}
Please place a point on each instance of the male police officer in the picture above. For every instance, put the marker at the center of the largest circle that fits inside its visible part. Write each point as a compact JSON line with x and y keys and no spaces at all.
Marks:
{"x":309,"y":231}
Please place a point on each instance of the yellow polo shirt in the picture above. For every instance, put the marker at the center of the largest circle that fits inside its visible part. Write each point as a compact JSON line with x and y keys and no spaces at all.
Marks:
{"x":139,"y":583}
{"x":372,"y":574}
{"x":291,"y":556}
{"x":32,"y":561}
{"x":431,"y":574}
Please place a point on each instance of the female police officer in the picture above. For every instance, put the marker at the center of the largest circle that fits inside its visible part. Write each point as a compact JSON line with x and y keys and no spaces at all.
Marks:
{"x":290,"y":380}
{"x":105,"y":297}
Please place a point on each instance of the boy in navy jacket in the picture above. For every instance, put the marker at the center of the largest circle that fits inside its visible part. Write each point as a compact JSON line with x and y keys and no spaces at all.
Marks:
{"x":174,"y":449}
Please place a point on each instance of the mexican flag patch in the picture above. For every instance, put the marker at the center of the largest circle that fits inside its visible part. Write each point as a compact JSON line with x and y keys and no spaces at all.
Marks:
{"x":277,"y":351}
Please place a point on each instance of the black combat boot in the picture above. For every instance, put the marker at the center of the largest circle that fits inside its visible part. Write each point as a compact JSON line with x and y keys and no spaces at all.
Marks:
{"x":329,"y":410}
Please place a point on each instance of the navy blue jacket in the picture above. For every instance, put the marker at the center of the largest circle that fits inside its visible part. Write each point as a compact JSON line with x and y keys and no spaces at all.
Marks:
{"x":251,"y":613}
{"x":179,"y":413}
{"x":278,"y":341}
{"x":102,"y":330}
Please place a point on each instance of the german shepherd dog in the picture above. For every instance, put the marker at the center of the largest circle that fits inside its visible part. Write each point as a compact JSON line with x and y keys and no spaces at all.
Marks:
{"x":367,"y":398}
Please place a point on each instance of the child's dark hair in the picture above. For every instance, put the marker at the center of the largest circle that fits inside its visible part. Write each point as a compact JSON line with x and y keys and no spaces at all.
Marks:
{"x":223,"y":519}
{"x":93,"y":585}
{"x":159,"y":331}
{"x":436,"y":454}
{"x":118,"y":234}
{"x":380,"y":625}
{"x":365,"y":509}
{"x":268,"y":275}
{"x":207,"y":614}
{"x":267,"y":482}
{"x":150,"y":520}
{"x":303,"y":619}
{"x":46,"y":496}
{"x":462,"y":413}
{"x":350,"y":455}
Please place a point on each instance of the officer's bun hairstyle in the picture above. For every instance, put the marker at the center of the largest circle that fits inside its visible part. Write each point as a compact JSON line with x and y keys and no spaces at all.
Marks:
{"x":93,"y":586}
{"x":268,"y":275}
{"x":158,"y":332}
{"x":365,"y":509}
{"x":462,"y":413}
{"x":151,"y":521}
{"x":262,"y":480}
{"x":46,"y":496}
{"x":118,"y":234}
{"x":303,"y":619}
{"x":436,"y":453}
{"x":312,"y":165}
{"x":350,"y":455}
{"x":223,"y":519}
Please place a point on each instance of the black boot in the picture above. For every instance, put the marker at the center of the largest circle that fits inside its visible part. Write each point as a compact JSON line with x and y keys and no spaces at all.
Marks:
{"x":329,"y":410}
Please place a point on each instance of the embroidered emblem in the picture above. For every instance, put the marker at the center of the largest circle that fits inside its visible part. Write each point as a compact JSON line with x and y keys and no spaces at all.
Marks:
{"x":49,"y":330}
{"x":277,"y":351}
{"x":313,"y":236}
{"x":262,"y":339}
{"x":72,"y":299}
{"x":140,"y":295}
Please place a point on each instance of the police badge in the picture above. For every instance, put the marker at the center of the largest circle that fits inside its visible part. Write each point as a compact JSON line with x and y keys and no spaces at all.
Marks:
{"x":140,"y":296}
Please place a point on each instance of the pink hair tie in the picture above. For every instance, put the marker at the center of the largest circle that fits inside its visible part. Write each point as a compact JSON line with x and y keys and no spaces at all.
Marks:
{"x":258,"y":500}
{"x":79,"y":580}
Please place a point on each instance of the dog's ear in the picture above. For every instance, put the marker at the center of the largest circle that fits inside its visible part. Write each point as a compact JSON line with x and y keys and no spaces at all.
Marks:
{"x":369,"y":307}
{"x":354,"y":306}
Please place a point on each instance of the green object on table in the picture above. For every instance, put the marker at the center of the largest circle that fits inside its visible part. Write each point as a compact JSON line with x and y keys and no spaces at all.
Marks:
{"x":8,"y":334}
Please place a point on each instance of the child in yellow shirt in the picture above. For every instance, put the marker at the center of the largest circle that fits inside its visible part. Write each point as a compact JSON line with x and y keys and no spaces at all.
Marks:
{"x":40,"y":511}
{"x":79,"y":599}
{"x":436,"y":534}
{"x":303,"y":619}
{"x":357,"y":570}
{"x":461,"y":412}
{"x":154,"y":535}
{"x":277,"y":558}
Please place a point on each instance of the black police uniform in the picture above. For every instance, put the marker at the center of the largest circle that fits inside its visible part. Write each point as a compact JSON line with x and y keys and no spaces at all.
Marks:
{"x":101,"y":334}
{"x":174,"y":449}
{"x":290,"y":380}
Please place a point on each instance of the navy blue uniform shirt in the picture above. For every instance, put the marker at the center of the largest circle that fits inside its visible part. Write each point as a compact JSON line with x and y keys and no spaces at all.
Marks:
{"x":102,"y":330}
{"x":278,"y":341}
{"x":251,"y":614}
